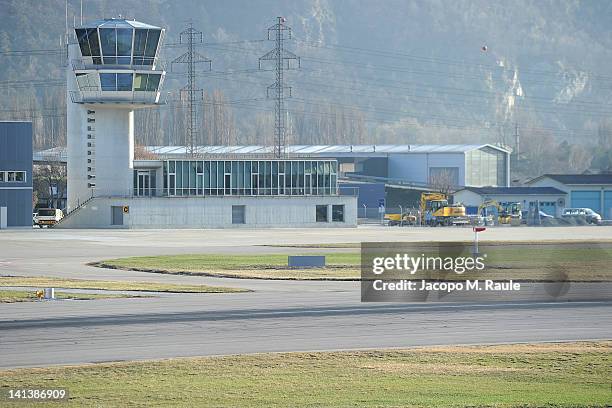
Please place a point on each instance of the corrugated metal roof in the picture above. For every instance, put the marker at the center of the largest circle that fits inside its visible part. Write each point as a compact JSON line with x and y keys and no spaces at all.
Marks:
{"x":322,"y":150}
{"x":117,"y":23}
{"x":515,"y":190}
{"x":327,"y":149}
{"x":578,"y":178}
{"x":53,"y":154}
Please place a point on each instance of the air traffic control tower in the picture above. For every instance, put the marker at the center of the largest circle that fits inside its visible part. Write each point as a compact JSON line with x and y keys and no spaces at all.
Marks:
{"x":113,"y":69}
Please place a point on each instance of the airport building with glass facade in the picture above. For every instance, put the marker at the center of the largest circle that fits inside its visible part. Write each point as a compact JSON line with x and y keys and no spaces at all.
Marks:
{"x":113,"y":69}
{"x":238,"y":178}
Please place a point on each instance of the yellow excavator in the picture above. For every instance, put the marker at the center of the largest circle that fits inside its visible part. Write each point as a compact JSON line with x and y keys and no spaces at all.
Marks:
{"x":435,"y":210}
{"x":506,"y":213}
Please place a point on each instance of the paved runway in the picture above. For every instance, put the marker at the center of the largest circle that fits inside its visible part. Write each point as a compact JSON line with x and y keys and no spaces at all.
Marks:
{"x":277,"y":316}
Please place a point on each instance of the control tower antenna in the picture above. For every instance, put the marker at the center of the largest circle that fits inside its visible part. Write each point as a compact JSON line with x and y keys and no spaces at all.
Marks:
{"x":190,"y":36}
{"x":279,"y":32}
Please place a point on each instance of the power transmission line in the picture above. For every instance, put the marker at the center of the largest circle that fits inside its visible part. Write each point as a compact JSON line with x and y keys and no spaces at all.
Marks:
{"x":280,"y":32}
{"x":191,"y":58}
{"x":439,"y":61}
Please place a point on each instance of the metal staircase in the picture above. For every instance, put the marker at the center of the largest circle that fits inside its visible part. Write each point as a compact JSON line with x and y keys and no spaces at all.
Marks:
{"x":75,"y":209}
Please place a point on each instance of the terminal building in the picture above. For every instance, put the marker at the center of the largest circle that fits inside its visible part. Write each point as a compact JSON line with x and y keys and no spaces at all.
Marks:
{"x":114,"y":69}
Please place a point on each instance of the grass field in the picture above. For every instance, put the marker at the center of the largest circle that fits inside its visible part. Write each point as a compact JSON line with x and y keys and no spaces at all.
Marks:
{"x":16,"y":296}
{"x":539,"y":375}
{"x":46,"y":282}
{"x":267,"y":266}
{"x":528,"y":262}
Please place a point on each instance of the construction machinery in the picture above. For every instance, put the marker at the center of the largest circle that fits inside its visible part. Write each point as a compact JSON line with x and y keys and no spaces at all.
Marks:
{"x":507,"y":213}
{"x":435,"y":210}
{"x":400,"y":219}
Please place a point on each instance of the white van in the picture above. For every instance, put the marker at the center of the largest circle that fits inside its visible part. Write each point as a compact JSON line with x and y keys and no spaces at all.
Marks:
{"x":589,"y":215}
{"x":48,"y":217}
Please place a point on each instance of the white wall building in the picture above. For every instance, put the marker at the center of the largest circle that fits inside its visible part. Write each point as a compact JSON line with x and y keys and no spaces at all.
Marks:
{"x":113,"y":70}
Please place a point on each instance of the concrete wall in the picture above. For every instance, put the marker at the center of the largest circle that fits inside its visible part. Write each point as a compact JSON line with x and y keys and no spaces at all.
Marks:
{"x":211,"y":212}
{"x":76,"y":138}
{"x":415,"y":166}
{"x":114,"y":151}
{"x":16,"y":155}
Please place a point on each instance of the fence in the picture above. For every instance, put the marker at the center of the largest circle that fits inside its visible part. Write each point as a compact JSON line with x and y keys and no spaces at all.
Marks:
{"x":373,"y":215}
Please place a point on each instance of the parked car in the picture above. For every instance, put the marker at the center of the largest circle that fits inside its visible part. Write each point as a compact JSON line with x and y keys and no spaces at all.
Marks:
{"x":589,"y":215}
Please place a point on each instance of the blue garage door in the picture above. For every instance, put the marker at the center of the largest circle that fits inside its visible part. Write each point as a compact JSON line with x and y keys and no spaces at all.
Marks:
{"x":587,"y":199}
{"x":548,"y":207}
{"x":607,"y":205}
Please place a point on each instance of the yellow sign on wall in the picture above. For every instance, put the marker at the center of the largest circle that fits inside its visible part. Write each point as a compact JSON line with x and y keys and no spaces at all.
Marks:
{"x":126,"y":209}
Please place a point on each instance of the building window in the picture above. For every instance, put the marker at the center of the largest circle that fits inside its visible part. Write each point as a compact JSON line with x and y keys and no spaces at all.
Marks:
{"x":91,"y":120}
{"x":14,"y":176}
{"x":88,"y":41}
{"x":116,"y":45}
{"x":1,"y":176}
{"x":116,"y":82}
{"x":322,"y":213}
{"x":238,"y":214}
{"x":338,"y":213}
{"x":146,"y":82}
{"x":87,"y":81}
{"x":145,"y":46}
{"x":246,"y":177}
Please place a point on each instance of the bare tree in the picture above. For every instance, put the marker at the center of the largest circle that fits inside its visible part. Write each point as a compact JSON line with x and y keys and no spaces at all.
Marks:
{"x":442,"y":181}
{"x":579,"y":159}
{"x":141,"y":153}
{"x":50,"y":181}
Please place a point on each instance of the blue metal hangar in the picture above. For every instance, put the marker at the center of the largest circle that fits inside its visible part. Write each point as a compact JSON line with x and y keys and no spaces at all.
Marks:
{"x":592,"y":191}
{"x":16,"y":172}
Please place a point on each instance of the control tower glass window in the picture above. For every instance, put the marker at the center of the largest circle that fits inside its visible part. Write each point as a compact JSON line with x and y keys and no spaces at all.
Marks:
{"x":87,"y":81}
{"x":145,"y":46}
{"x":146,"y":82}
{"x":116,"y":45}
{"x":115,"y":82}
{"x":89,"y":44}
